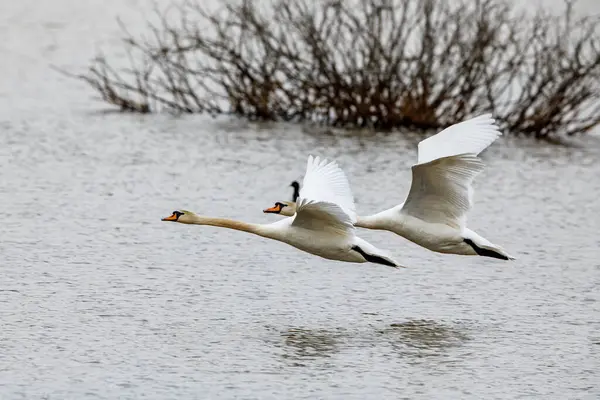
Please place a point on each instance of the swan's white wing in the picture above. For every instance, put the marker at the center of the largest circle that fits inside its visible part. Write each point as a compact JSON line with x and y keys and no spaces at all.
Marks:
{"x":325,"y":181}
{"x":441,"y":189}
{"x":470,"y":136}
{"x":325,"y":201}
{"x":323,"y":216}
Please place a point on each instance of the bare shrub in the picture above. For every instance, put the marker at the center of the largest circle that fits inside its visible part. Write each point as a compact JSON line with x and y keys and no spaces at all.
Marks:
{"x":417,"y":64}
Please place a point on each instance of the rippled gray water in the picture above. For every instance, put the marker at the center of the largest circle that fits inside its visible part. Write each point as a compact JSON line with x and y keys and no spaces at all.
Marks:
{"x":100,"y":299}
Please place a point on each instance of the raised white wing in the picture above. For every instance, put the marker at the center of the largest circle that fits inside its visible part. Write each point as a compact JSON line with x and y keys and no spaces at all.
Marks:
{"x":325,"y":201}
{"x":470,"y":136}
{"x":325,"y":181}
{"x":441,"y":189}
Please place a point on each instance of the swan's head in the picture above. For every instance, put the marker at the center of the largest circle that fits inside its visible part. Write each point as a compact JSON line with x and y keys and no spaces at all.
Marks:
{"x":296,"y":187}
{"x":286,"y":208}
{"x":181,"y":216}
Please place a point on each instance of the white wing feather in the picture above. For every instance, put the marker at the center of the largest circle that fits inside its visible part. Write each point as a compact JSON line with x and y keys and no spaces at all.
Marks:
{"x":326,"y":182}
{"x":441,"y":189}
{"x":470,"y":136}
{"x":326,"y":201}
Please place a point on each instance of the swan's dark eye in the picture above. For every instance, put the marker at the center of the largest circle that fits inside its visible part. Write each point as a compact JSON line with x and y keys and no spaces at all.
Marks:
{"x":177,"y":214}
{"x":281,"y":205}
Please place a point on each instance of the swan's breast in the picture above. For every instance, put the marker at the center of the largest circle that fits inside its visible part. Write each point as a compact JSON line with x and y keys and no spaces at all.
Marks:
{"x":433,"y":236}
{"x":322,"y":243}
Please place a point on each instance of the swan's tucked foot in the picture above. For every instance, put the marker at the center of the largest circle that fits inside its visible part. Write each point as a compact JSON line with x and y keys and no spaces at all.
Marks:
{"x":488,"y":252}
{"x":377,"y":259}
{"x":397,"y":266}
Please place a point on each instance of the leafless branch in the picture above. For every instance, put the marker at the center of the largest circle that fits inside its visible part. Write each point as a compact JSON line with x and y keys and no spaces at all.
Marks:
{"x":385,"y":64}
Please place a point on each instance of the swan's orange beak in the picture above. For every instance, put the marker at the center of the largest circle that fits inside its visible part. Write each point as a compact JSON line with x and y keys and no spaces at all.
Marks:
{"x":173,"y":217}
{"x":276,"y":209}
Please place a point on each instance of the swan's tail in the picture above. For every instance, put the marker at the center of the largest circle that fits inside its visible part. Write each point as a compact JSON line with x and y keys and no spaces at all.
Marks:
{"x":484,"y":247}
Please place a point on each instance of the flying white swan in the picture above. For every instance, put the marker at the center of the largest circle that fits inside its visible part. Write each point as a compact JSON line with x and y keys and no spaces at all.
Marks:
{"x":322,"y":224}
{"x":441,"y":193}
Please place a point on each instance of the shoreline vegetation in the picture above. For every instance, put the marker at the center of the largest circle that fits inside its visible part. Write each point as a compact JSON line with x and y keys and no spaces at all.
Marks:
{"x":388,"y":65}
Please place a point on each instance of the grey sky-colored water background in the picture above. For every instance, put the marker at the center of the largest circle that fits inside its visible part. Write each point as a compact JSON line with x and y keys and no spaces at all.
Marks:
{"x":99,"y":299}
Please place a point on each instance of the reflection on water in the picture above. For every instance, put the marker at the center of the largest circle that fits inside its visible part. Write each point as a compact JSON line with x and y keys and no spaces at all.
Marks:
{"x":301,"y":344}
{"x":410,"y":339}
{"x":426,"y":341}
{"x":424,"y":334}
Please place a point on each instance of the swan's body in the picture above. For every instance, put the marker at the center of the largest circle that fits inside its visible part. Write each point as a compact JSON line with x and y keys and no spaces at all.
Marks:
{"x":434,"y":213}
{"x":322,"y":225}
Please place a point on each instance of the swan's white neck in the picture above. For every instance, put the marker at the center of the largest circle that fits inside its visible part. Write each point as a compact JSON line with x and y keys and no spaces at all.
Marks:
{"x":376,"y":221}
{"x":263,"y":230}
{"x":369,"y":222}
{"x":381,"y":220}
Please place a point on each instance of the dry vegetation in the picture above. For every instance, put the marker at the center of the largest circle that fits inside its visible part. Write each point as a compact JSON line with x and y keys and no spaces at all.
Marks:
{"x":416,"y":64}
